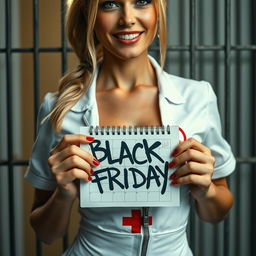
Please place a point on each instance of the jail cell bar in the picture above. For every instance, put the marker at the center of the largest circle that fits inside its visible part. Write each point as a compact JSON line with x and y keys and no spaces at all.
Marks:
{"x":192,"y":48}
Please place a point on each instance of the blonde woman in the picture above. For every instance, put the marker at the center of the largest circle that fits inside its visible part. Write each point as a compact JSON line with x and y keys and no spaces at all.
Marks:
{"x":117,"y":83}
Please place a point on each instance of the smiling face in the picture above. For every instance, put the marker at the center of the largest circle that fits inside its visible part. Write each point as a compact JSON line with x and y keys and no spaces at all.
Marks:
{"x":126,"y":28}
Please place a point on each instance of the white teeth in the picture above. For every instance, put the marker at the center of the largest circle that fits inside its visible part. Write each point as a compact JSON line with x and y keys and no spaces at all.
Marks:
{"x":128,"y":36}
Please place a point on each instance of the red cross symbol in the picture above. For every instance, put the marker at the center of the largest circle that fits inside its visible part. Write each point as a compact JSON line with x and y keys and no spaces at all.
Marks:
{"x":135,"y":221}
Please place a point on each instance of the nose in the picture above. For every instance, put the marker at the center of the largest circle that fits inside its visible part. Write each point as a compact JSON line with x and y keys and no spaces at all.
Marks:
{"x":128,"y":17}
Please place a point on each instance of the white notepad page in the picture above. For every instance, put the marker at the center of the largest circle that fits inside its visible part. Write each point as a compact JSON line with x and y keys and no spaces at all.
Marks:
{"x":133,"y":168}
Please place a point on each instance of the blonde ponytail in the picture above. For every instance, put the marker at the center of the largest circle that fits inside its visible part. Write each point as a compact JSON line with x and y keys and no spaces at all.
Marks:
{"x":80,"y":22}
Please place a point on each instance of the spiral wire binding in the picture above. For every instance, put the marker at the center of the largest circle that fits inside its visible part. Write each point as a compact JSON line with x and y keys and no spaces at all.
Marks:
{"x":130,"y":130}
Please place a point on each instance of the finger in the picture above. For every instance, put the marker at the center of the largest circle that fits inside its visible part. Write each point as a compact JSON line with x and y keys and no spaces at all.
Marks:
{"x":64,"y":178}
{"x":199,"y":180}
{"x":192,"y":168}
{"x":193,"y":144}
{"x":70,"y":163}
{"x":71,"y":139}
{"x":72,"y":151}
{"x":192,"y":155}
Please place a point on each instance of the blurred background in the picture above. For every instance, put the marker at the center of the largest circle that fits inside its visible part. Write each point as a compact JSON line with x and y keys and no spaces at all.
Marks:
{"x":212,"y":40}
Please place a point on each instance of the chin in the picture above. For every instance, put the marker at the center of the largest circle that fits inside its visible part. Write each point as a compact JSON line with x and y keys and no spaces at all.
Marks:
{"x":129,"y":55}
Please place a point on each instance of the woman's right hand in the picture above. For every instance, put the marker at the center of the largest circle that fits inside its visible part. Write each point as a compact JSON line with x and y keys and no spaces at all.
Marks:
{"x":69,"y":162}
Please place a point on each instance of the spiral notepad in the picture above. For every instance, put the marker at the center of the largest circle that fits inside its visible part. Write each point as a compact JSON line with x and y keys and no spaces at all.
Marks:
{"x":133,"y":170}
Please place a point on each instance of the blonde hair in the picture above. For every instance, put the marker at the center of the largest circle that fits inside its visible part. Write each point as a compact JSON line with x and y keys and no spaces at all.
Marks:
{"x":81,"y":17}
{"x":162,"y":30}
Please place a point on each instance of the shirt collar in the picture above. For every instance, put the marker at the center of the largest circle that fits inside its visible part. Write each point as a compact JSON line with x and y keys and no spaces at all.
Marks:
{"x":166,"y":87}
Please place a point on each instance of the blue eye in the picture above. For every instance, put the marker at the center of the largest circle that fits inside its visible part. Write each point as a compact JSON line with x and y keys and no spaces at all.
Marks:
{"x":108,"y":5}
{"x":143,"y":2}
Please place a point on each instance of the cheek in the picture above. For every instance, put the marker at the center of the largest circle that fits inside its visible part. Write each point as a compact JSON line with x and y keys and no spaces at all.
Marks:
{"x":104,"y":24}
{"x":150,"y":20}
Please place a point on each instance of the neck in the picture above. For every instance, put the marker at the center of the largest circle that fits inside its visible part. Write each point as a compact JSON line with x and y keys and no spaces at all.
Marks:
{"x":125,"y":74}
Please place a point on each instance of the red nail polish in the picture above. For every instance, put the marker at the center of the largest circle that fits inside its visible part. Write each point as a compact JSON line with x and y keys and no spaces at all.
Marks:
{"x":90,"y":139}
{"x":92,"y":172}
{"x":171,"y":164}
{"x":173,"y":176}
{"x":175,"y":152}
{"x":174,"y":182}
{"x":89,"y":178}
{"x":96,"y":162}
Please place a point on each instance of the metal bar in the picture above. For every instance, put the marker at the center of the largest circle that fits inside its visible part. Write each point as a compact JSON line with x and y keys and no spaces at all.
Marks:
{"x":64,"y":45}
{"x":243,"y":47}
{"x":192,"y":64}
{"x":208,"y":48}
{"x":9,"y":83}
{"x":253,"y":180}
{"x":31,"y":50}
{"x":246,"y":160}
{"x":39,"y":250}
{"x":216,"y":243}
{"x":192,"y":46}
{"x":237,"y":81}
{"x":14,"y":162}
{"x":36,"y":59}
{"x":155,"y":48}
{"x":226,"y":230}
{"x":239,"y":160}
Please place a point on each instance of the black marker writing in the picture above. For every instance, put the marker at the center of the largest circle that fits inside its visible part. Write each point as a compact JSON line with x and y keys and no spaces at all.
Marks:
{"x":136,"y":177}
{"x":125,"y":153}
{"x":150,"y":150}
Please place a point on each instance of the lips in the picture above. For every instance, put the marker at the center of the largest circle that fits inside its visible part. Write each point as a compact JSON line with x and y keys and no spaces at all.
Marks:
{"x":128,"y":37}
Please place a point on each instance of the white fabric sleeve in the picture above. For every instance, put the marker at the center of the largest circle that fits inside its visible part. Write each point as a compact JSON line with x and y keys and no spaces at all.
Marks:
{"x":224,"y":159}
{"x":39,"y":173}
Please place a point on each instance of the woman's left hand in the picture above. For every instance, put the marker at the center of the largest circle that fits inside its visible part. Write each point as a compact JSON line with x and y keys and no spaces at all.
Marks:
{"x":195,"y":166}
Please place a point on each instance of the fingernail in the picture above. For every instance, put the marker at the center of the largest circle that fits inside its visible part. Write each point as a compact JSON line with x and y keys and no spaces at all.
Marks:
{"x":171,"y":164}
{"x":89,"y":178}
{"x":173,"y":176}
{"x":89,"y":138}
{"x":175,"y":152}
{"x":174,"y":182}
{"x":92,"y":172}
{"x":96,"y":162}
